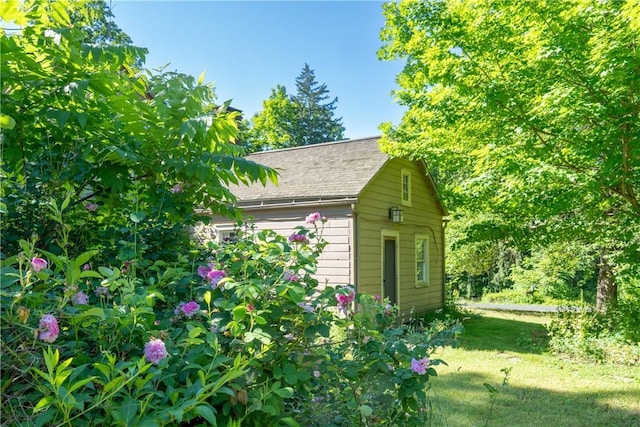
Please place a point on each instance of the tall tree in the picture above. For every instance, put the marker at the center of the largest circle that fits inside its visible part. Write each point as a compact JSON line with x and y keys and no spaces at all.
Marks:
{"x":292,"y":120}
{"x":316,"y":121}
{"x":84,"y":123}
{"x":530,"y":111}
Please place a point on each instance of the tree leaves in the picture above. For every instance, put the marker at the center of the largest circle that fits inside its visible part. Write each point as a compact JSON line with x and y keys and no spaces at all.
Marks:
{"x":527,"y":110}
{"x":294,"y":120}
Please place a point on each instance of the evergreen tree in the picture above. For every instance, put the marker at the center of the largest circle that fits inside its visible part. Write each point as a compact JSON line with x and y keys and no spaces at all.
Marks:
{"x":316,"y":122}
{"x":293,"y":120}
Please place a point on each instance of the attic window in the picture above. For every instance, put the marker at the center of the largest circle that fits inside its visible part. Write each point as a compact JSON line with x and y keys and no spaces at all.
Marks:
{"x":406,"y":187}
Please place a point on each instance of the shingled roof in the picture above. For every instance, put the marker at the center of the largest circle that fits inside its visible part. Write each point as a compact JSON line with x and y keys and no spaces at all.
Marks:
{"x":328,"y":171}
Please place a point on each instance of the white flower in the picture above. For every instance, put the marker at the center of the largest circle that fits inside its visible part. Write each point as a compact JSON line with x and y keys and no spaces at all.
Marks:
{"x":52,"y":34}
{"x":71,"y":86}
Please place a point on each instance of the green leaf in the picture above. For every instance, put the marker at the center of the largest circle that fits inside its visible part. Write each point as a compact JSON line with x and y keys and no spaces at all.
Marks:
{"x":239,"y":313}
{"x":6,"y":122}
{"x":93,"y":311}
{"x":285,"y":392}
{"x":60,"y":116}
{"x":201,"y":78}
{"x":127,"y":411}
{"x":43,"y":403}
{"x":137,"y":216}
{"x":207,"y":413}
{"x":366,"y":410}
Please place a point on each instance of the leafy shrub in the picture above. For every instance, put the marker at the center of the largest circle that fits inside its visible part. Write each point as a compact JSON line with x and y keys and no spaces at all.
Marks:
{"x":592,"y":335}
{"x":243,"y":337}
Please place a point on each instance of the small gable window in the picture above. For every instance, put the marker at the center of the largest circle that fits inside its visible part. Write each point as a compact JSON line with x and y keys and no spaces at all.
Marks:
{"x":406,"y":187}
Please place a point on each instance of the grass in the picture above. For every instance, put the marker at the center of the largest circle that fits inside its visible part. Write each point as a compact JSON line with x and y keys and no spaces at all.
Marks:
{"x":542,"y":389}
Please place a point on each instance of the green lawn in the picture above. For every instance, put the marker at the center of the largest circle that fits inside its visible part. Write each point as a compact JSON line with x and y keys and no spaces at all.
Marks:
{"x":542,"y":390}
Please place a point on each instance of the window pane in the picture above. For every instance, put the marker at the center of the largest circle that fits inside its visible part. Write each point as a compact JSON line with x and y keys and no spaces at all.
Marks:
{"x":405,"y":187}
{"x":421,"y":262}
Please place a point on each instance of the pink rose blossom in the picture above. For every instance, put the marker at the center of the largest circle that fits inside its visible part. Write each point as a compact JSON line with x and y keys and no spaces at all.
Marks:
{"x":155,"y":351}
{"x":291,"y":276}
{"x":212,"y":275}
{"x":203,"y":270}
{"x":187,"y":308}
{"x":298,"y":238}
{"x":177,"y":189}
{"x":312,"y":218}
{"x":49,"y":328}
{"x":420,"y":366}
{"x":344,"y":300}
{"x":215,"y":276}
{"x":102,"y":291}
{"x":38,"y":264}
{"x":79,"y":298}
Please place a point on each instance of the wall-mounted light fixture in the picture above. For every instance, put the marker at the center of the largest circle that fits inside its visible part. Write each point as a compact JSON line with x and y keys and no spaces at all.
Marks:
{"x":396,"y":214}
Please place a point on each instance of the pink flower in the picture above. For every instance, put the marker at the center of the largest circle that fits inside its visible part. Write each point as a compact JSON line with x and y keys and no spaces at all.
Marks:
{"x":312,"y":218}
{"x":290,"y":276}
{"x":420,"y":366}
{"x":102,"y":291}
{"x":298,"y":238}
{"x":177,"y":189}
{"x":344,"y":300}
{"x":188,"y":308}
{"x":388,"y":310}
{"x":210,"y":274}
{"x":155,"y":351}
{"x":38,"y":264}
{"x":214,"y":276}
{"x":86,"y":267}
{"x":91,"y":207}
{"x":49,"y":328}
{"x":79,"y":298}
{"x":203,"y":270}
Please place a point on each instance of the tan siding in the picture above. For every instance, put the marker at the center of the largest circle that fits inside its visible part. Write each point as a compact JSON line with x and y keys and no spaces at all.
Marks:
{"x":334,"y":264}
{"x":422,"y":217}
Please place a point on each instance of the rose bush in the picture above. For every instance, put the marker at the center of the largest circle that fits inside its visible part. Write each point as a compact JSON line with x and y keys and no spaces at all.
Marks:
{"x":261,"y":344}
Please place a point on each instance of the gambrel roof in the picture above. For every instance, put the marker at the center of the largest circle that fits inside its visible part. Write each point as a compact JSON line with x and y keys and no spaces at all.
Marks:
{"x":328,"y":172}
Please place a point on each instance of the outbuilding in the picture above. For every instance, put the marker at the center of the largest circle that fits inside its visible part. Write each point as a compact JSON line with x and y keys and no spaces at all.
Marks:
{"x":385,"y":222}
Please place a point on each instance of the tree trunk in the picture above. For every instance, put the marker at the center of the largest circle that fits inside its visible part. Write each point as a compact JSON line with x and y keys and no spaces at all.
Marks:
{"x":607,"y":293}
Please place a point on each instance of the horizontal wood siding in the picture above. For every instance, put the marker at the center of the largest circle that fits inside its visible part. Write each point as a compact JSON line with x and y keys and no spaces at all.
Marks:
{"x":335,"y":263}
{"x":422,"y":217}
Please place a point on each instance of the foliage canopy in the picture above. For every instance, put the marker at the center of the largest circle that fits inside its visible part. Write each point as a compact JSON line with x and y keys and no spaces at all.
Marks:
{"x":528,"y":111}
{"x":85,"y":119}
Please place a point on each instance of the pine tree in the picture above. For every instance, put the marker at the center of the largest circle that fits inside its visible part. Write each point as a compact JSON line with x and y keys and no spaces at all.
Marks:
{"x":292,"y":120}
{"x":316,"y":122}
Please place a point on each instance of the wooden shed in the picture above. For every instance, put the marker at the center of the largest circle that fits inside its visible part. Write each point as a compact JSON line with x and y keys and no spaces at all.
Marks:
{"x":385,"y":224}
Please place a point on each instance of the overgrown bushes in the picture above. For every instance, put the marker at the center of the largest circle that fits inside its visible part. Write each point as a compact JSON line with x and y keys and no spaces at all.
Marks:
{"x":587,"y":334}
{"x":237,"y":334}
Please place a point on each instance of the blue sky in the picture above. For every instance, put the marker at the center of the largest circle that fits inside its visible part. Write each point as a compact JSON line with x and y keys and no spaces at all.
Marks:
{"x":247,"y":48}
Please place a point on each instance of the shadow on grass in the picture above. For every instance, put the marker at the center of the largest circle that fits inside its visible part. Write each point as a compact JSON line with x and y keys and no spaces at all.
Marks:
{"x":490,"y":333}
{"x":461,"y":399}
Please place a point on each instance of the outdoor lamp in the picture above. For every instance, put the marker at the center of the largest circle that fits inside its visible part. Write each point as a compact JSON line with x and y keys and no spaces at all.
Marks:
{"x":396,"y":214}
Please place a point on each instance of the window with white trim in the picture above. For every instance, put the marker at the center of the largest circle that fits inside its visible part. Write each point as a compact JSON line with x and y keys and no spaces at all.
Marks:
{"x":226,"y":234}
{"x":405,"y":187}
{"x":422,"y":260}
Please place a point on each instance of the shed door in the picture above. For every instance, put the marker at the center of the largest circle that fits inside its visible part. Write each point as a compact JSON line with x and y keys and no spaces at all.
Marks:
{"x":389,"y":270}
